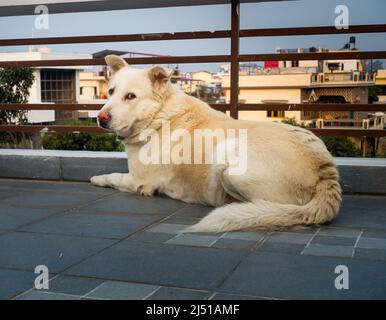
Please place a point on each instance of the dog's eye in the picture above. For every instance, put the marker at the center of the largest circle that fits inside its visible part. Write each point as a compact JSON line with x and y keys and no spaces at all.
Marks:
{"x":111,"y":91}
{"x":130,"y":96}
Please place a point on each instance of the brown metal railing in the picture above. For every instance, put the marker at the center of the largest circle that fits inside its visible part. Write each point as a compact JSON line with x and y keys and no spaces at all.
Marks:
{"x":234,"y":58}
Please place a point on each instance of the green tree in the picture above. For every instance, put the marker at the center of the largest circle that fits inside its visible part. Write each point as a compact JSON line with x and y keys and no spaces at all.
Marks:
{"x":15,"y":84}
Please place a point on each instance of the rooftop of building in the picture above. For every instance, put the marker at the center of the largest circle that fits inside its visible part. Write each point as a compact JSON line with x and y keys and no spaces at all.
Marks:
{"x":103,"y":244}
{"x":100,"y":243}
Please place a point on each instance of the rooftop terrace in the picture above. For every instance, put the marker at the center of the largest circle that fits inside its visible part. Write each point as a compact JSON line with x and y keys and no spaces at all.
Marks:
{"x":103,"y":244}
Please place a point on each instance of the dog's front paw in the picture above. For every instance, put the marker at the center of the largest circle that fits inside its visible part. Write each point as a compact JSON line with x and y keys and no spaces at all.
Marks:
{"x":100,"y":181}
{"x":145,"y":191}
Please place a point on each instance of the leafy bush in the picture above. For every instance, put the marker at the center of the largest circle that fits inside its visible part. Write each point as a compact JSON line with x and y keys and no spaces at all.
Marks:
{"x":341,"y":147}
{"x":82,"y":141}
{"x":292,"y":121}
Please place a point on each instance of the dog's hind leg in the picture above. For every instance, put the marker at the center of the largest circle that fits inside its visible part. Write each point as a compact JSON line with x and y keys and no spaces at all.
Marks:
{"x":121,"y":181}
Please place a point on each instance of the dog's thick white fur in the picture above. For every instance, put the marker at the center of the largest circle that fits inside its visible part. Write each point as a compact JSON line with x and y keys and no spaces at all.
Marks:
{"x":290,"y":180}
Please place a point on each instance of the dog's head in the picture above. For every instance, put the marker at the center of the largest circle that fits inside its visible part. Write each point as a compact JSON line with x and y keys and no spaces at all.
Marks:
{"x":134,"y":95}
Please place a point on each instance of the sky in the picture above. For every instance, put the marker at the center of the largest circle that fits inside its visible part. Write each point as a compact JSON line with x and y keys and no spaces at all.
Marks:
{"x":214,"y":17}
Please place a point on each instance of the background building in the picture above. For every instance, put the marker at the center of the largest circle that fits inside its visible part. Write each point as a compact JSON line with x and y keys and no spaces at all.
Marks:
{"x":52,"y":84}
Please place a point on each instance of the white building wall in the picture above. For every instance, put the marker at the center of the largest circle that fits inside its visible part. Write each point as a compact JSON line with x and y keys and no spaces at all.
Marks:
{"x":262,"y":96}
{"x":37,"y":116}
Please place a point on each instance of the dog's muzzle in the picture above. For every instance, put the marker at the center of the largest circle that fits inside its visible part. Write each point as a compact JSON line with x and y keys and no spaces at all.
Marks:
{"x":104,"y":119}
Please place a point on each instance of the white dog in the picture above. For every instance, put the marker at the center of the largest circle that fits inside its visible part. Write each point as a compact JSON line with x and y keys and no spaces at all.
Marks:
{"x":290,"y":178}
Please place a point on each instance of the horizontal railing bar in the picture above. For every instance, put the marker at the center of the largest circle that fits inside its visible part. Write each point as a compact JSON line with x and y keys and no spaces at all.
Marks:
{"x":344,"y":55}
{"x":312,"y":107}
{"x":50,"y":128}
{"x":118,"y":38}
{"x":375,"y":133}
{"x":75,"y":106}
{"x":304,"y":31}
{"x":51,"y":106}
{"x":95,"y":62}
{"x":94,"y":129}
{"x":217,"y":106}
{"x":341,"y":55}
{"x":374,"y":28}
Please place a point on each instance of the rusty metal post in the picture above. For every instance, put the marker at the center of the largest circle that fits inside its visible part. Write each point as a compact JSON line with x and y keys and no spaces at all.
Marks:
{"x":235,"y":43}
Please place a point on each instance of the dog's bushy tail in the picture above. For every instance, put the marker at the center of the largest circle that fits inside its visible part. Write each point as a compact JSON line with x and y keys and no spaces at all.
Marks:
{"x":257,"y":213}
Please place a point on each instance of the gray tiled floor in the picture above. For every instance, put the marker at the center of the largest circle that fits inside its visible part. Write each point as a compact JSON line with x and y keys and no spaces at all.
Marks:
{"x":169,"y":265}
{"x":102,"y":244}
{"x":25,"y":251}
{"x":91,"y":225}
{"x":288,"y":276}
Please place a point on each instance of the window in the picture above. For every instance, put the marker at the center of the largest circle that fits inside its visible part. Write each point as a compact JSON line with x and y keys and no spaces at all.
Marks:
{"x":58,"y":85}
{"x":295,"y":64}
{"x":275,"y":114}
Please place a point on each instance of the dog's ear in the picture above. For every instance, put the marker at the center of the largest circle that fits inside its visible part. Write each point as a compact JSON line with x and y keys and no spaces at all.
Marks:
{"x":159,"y":75}
{"x":116,"y":63}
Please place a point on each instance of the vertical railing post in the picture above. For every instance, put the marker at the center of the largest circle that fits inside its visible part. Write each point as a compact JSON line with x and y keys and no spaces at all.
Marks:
{"x":235,"y":43}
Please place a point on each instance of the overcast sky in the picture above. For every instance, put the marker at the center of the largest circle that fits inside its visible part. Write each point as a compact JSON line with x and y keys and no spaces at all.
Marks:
{"x":216,"y":17}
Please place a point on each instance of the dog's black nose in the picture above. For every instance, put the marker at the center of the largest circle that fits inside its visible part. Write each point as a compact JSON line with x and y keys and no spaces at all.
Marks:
{"x":103,"y":119}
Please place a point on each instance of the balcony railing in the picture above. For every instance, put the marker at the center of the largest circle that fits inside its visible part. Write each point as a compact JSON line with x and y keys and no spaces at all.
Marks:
{"x":371,"y":123}
{"x":234,"y":58}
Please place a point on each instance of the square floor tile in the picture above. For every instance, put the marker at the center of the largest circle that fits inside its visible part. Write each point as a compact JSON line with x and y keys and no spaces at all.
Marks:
{"x":44,"y":295}
{"x":5,"y":193}
{"x":362,"y":212}
{"x":14,"y":217}
{"x":188,"y":221}
{"x":233,"y":243}
{"x":339,"y":232}
{"x":328,"y":250}
{"x":372,"y":243}
{"x":13,"y":282}
{"x":27,"y":250}
{"x":53,"y":200}
{"x":153,"y":237}
{"x":192,"y":240}
{"x":165,"y":293}
{"x":193,"y":211}
{"x":374,"y":233}
{"x":91,"y":225}
{"x":286,"y":276}
{"x":57,"y":186}
{"x":251,"y":236}
{"x":292,"y":248}
{"x":167,"y":265}
{"x":288,"y":237}
{"x":73,"y":285}
{"x":169,"y":228}
{"x":334,"y":241}
{"x":135,"y":204}
{"x":229,"y":296}
{"x":370,"y":254}
{"x":114,"y":290}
